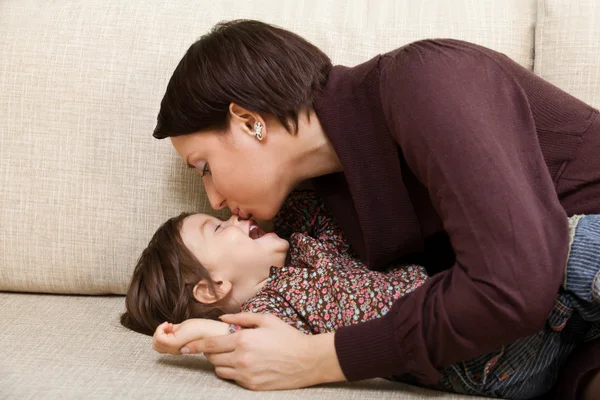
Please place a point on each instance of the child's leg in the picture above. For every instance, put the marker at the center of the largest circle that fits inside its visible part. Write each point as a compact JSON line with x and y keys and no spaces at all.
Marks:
{"x":582,"y":277}
{"x":582,"y":284}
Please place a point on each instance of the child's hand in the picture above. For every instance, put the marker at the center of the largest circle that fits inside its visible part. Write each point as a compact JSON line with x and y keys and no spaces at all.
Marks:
{"x":169,"y":338}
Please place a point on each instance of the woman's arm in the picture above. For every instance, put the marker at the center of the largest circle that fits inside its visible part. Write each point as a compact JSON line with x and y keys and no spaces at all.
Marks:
{"x":467,"y":132}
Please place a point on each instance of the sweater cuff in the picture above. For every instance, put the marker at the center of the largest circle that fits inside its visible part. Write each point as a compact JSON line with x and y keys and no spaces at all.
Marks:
{"x":368,"y":350}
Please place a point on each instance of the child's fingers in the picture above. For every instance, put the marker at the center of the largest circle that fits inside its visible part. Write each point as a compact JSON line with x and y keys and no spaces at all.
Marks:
{"x":163,"y":325}
{"x":164,"y":346}
{"x":160,"y":329}
{"x":163,"y":339}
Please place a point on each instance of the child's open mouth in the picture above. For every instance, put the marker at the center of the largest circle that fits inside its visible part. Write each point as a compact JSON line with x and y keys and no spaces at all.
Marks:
{"x":254,"y":231}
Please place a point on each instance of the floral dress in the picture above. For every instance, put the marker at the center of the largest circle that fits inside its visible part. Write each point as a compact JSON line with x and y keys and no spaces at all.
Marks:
{"x":323,"y":285}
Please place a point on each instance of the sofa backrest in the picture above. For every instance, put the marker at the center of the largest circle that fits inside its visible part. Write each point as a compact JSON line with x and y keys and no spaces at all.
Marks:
{"x":84,"y":185}
{"x":567,"y":46}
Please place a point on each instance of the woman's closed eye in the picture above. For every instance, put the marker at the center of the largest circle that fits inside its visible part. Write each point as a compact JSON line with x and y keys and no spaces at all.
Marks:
{"x":205,"y":170}
{"x":218,"y":226}
{"x":202,"y":169}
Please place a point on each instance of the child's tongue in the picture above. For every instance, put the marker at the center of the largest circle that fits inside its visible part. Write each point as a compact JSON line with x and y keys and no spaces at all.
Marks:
{"x":255,"y":232}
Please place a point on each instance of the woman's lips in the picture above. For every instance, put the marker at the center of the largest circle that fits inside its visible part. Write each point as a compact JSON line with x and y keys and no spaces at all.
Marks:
{"x":242,"y":215}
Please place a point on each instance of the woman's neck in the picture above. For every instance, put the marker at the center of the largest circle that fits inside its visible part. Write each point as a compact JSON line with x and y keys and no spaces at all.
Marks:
{"x":313,"y":154}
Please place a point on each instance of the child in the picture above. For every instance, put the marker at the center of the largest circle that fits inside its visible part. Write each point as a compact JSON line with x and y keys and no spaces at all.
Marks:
{"x":197,"y":266}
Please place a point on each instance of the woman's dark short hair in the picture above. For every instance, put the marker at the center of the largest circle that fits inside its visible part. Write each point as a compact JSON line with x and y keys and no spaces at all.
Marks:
{"x":260,"y":67}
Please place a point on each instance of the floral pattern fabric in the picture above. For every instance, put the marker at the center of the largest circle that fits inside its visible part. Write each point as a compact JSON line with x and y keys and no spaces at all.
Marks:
{"x":323,"y":285}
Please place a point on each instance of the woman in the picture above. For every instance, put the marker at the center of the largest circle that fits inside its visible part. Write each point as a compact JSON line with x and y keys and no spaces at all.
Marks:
{"x":441,"y":152}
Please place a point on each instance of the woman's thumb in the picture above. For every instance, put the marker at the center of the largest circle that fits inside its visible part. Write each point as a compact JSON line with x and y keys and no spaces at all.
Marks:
{"x":244,"y":319}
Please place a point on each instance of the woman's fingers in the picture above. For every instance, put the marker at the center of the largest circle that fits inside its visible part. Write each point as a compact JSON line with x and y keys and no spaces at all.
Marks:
{"x":226,"y":373}
{"x":220,"y":359}
{"x":215,"y":344}
{"x":248,"y":320}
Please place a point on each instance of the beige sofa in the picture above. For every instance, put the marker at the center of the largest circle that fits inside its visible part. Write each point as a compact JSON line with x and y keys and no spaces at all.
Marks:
{"x":83,"y":183}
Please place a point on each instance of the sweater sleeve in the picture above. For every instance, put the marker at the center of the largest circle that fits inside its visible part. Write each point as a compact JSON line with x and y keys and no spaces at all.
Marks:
{"x":467,"y":133}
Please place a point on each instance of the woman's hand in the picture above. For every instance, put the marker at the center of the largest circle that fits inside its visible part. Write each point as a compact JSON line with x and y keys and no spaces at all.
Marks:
{"x":271,"y":356}
{"x":169,"y":338}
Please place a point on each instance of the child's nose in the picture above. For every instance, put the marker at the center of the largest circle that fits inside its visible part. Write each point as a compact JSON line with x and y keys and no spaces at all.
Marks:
{"x":234,"y":220}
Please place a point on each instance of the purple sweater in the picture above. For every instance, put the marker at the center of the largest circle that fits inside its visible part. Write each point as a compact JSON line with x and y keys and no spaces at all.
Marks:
{"x":457,"y":158}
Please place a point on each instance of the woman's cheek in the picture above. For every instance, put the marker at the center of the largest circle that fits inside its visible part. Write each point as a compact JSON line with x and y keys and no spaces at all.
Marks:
{"x":267,"y":210}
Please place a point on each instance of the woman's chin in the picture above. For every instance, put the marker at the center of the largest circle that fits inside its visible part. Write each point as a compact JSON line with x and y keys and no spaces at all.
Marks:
{"x":266,"y":212}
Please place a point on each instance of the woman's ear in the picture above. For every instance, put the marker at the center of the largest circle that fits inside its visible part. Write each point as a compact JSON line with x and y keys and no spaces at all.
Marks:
{"x":251,"y":122}
{"x":203,"y":293}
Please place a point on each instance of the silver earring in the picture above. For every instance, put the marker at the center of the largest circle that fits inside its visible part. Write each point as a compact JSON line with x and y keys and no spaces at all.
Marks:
{"x":258,"y":131}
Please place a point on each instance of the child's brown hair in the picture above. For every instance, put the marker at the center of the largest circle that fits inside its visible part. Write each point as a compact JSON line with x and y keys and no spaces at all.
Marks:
{"x":163,"y":280}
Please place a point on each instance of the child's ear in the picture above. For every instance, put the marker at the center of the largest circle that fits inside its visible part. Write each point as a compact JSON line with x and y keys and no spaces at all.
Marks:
{"x":204,"y":294}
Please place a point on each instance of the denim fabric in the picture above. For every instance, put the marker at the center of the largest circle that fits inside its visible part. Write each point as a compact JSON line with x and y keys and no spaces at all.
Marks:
{"x":529,"y":367}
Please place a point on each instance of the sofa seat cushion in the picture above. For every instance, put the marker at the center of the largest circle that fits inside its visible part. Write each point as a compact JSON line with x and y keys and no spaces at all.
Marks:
{"x":57,"y":346}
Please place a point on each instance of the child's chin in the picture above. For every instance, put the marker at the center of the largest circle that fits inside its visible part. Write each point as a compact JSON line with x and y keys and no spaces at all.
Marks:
{"x":273,"y":239}
{"x":268,"y":236}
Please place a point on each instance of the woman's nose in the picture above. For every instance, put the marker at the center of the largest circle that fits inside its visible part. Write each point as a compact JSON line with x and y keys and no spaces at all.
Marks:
{"x":217,"y":202}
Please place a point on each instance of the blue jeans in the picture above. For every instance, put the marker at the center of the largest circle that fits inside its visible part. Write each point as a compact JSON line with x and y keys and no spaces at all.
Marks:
{"x":530,"y":366}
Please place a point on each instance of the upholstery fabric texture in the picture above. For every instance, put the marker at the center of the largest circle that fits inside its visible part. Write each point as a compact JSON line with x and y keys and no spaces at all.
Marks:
{"x":73,"y":347}
{"x":84,"y":184}
{"x":567,"y":47}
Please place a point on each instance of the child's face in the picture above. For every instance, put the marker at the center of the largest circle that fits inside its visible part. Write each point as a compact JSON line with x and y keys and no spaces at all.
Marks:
{"x":235,"y":252}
